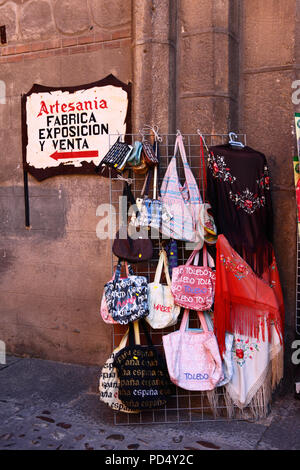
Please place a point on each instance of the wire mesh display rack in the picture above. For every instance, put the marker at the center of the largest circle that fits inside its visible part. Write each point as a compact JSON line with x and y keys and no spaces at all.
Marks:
{"x":183,"y":406}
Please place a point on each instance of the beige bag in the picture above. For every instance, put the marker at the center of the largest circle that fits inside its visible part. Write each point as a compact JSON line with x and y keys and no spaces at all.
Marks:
{"x":162,"y":310}
{"x":109,"y":382}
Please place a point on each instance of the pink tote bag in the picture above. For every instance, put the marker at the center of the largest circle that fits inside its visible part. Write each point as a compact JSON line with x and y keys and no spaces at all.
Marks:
{"x":193,"y":287}
{"x":183,"y":202}
{"x":193,"y":357}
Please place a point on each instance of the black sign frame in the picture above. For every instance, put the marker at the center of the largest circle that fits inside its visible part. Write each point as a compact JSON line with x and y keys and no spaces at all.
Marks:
{"x":87,"y":168}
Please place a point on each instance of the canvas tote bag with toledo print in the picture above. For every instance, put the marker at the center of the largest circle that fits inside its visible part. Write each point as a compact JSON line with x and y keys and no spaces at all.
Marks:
{"x":193,"y":356}
{"x":193,"y":287}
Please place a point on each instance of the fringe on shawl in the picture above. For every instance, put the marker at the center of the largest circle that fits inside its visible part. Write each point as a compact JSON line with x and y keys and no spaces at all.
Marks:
{"x":248,"y":322}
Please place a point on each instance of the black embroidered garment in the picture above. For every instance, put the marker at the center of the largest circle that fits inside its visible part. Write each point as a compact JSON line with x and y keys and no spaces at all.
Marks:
{"x":238,"y":189}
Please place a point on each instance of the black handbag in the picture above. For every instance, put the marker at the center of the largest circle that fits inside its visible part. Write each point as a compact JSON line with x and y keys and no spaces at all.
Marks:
{"x":136,"y":249}
{"x":144,"y":380}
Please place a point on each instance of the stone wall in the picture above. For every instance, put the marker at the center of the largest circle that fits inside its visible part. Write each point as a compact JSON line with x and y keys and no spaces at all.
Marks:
{"x":52,"y":274}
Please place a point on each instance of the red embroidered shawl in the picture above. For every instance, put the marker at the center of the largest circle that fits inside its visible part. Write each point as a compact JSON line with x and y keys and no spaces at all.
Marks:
{"x":242,"y":299}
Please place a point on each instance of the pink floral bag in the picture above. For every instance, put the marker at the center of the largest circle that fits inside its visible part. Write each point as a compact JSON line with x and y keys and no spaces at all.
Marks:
{"x":193,"y":357}
{"x":193,"y":287}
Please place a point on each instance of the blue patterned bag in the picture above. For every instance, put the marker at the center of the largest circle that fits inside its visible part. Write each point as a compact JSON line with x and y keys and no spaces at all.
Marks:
{"x":127,"y":298}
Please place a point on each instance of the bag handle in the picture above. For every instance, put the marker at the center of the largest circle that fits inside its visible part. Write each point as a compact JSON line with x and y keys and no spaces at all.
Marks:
{"x":128,"y":267}
{"x":122,"y":342}
{"x":179,"y":145}
{"x":196,"y":250}
{"x":185,"y":319}
{"x":134,"y":333}
{"x":202,"y":167}
{"x":207,"y":258}
{"x":156,"y":170}
{"x":163,"y":261}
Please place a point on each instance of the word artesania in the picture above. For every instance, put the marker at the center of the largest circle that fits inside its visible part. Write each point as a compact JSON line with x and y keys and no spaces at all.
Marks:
{"x":57,"y":107}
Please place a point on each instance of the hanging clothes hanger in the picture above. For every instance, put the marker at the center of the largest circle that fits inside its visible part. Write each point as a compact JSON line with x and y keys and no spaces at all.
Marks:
{"x":233,"y":140}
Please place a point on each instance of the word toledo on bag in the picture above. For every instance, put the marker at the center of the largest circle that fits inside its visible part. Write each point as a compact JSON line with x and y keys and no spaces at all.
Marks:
{"x":127,"y":298}
{"x":193,"y":287}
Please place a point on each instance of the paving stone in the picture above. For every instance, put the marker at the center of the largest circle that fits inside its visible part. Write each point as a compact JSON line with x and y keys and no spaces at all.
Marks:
{"x":60,"y":413}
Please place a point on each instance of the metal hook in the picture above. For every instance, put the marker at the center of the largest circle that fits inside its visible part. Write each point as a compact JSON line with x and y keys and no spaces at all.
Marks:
{"x":155,"y":130}
{"x":122,"y":178}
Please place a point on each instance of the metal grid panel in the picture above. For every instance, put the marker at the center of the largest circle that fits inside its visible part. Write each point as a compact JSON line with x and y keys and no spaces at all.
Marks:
{"x":183,"y":406}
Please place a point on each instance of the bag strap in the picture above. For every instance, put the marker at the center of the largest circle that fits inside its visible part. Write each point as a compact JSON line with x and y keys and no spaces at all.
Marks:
{"x":146,"y":332}
{"x":163,"y":261}
{"x":146,"y":185}
{"x":204,"y":256}
{"x":185,"y":319}
{"x":179,"y":145}
{"x":134,"y":333}
{"x":202,"y":171}
{"x":128,"y":267}
{"x":196,"y":250}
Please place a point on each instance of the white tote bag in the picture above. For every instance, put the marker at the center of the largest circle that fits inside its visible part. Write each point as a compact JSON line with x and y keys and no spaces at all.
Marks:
{"x":162,"y":310}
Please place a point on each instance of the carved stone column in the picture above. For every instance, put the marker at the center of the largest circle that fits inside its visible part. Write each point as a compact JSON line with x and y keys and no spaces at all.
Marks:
{"x":154,"y":38}
{"x":208,"y":59}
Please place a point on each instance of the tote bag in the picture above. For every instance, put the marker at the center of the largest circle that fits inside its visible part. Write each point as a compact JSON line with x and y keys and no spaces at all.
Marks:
{"x":109,"y":382}
{"x":162,"y":310}
{"x":144,"y":379}
{"x":183,"y":201}
{"x":193,"y":358}
{"x":193,"y":287}
{"x":106,"y":317}
{"x":127,"y":298}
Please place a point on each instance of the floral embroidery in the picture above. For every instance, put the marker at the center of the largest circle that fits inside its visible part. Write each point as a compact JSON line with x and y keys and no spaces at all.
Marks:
{"x":243,"y":349}
{"x":247,"y":201}
{"x":235,"y":266}
{"x":219,"y":168}
{"x":264,"y":181}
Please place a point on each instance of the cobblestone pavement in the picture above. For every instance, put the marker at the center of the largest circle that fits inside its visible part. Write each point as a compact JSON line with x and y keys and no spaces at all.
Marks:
{"x":46,"y":405}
